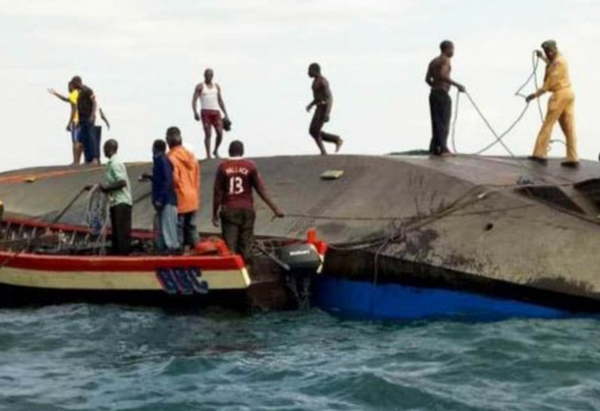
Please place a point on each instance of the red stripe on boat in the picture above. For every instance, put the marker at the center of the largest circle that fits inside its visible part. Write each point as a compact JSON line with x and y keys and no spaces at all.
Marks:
{"x":118,"y":264}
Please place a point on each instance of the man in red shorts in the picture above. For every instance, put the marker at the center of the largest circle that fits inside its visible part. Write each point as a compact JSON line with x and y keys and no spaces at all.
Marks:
{"x":211,"y":101}
{"x":234,"y":182}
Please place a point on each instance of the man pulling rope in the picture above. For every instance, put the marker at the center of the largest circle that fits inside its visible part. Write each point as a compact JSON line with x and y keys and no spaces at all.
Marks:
{"x":561,"y":106}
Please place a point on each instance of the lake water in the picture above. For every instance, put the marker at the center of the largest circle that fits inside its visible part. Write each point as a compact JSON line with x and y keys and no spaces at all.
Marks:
{"x":84,"y":357}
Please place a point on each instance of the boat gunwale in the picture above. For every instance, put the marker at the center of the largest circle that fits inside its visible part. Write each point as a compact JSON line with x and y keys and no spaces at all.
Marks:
{"x":134,"y":263}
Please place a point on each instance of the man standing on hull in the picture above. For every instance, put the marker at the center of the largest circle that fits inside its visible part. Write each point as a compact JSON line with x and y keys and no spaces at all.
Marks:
{"x":561,"y":105}
{"x":87,"y":106}
{"x":211,"y":101}
{"x":73,"y":124}
{"x":440,"y":104}
{"x":323,"y":100}
{"x":233,"y":201}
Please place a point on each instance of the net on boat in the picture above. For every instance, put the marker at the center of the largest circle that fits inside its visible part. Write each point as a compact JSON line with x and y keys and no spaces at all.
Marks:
{"x":97,"y":211}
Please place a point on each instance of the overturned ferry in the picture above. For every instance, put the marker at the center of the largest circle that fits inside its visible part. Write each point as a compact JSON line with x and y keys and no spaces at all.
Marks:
{"x":409,"y":237}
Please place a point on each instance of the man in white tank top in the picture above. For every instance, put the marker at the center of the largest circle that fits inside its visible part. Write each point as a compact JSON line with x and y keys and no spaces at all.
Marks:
{"x":211,"y":101}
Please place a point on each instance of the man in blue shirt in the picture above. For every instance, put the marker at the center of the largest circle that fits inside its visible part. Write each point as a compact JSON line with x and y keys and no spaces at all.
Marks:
{"x":164,"y":200}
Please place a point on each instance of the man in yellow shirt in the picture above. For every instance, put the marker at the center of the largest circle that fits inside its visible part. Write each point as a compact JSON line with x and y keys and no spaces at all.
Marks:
{"x":73,"y":124}
{"x":561,"y":106}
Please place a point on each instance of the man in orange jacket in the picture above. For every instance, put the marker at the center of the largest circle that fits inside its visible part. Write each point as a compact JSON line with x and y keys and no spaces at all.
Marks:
{"x":186,"y":179}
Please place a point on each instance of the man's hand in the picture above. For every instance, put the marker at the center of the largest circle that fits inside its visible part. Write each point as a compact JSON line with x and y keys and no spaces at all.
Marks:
{"x":215,"y":221}
{"x":326,"y":119}
{"x":158,"y":205}
{"x":309,"y":107}
{"x":278,"y":213}
{"x":196,"y":116}
{"x":461,"y":88}
{"x":539,"y":54}
{"x":530,"y":98}
{"x":69,"y":127}
{"x":144,"y":177}
{"x":52,"y":91}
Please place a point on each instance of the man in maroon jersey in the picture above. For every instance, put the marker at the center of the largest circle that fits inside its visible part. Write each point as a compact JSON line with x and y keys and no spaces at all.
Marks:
{"x":236,"y":177}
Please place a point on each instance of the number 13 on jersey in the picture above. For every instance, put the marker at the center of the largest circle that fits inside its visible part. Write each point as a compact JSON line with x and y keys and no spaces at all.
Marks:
{"x":236,"y":185}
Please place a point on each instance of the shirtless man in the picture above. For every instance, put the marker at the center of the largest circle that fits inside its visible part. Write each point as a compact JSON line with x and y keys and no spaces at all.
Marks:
{"x":323,"y":99}
{"x":211,"y":101}
{"x":440,"y":104}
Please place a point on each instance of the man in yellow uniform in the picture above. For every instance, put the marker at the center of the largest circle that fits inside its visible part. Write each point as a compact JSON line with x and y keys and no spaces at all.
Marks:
{"x":561,"y":106}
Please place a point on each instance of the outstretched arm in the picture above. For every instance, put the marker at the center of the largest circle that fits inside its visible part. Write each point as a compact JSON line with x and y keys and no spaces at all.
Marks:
{"x":264,"y":195}
{"x":103,"y":117}
{"x":58,"y":95}
{"x":221,"y":102}
{"x":195,"y":98}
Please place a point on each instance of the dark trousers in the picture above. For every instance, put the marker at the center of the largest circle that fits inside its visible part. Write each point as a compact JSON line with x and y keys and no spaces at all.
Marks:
{"x":186,"y":229}
{"x":120,"y":222}
{"x":237,"y":226}
{"x":89,"y":140}
{"x":317,"y":123}
{"x":440,"y":105}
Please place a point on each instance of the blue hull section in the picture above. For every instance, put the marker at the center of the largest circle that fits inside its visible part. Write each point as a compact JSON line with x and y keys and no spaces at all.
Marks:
{"x":363,"y":300}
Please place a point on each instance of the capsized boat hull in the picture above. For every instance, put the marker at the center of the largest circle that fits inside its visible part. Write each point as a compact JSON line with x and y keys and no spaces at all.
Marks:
{"x":366,"y":300}
{"x":468,"y":224}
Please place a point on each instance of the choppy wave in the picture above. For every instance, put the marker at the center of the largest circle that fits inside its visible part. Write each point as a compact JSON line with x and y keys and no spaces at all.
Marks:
{"x":83,"y":357}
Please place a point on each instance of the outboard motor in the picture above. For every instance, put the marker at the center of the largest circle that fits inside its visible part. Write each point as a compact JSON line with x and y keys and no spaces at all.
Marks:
{"x":303,"y":261}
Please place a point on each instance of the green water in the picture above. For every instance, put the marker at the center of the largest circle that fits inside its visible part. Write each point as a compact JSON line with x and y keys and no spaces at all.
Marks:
{"x":82,"y":357}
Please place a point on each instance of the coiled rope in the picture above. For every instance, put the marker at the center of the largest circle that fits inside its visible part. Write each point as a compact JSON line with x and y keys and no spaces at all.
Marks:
{"x":500,"y":136}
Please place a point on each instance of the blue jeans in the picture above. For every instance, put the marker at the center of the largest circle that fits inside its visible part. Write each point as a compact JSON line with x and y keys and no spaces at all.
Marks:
{"x":87,"y":137}
{"x":166,"y":221}
{"x":75,"y":134}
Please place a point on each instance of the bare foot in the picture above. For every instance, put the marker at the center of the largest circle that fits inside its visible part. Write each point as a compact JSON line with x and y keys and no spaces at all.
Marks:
{"x":339,"y":145}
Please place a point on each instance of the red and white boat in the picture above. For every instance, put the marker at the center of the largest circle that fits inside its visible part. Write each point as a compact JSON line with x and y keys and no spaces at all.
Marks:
{"x":42,"y":263}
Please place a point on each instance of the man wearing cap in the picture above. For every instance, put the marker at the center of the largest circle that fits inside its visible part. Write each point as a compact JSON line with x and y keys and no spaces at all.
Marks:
{"x":561,"y":106}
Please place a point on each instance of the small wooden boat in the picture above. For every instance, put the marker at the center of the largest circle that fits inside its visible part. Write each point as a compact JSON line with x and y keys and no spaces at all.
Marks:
{"x":43,"y":263}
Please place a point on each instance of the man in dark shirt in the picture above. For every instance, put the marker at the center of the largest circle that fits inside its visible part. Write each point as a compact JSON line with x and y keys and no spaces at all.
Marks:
{"x":323,"y":100}
{"x":89,"y":134}
{"x":440,"y":104}
{"x":164,"y":200}
{"x":234,"y":182}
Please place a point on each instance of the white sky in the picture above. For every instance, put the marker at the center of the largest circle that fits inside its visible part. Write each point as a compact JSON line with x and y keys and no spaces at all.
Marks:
{"x":143,"y":58}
